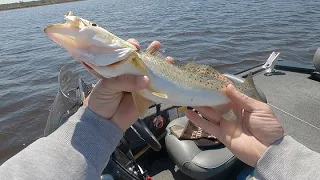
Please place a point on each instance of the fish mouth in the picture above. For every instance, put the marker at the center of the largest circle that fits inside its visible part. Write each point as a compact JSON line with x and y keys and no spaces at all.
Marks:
{"x":96,"y":48}
{"x":64,"y":35}
{"x":68,"y":37}
{"x":68,"y":34}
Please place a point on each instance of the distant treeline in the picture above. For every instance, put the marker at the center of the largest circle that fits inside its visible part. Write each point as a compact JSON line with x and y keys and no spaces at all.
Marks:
{"x":22,"y":4}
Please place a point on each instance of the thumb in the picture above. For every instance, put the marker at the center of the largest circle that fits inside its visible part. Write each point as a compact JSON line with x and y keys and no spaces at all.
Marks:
{"x":128,"y":83}
{"x":240,"y":99}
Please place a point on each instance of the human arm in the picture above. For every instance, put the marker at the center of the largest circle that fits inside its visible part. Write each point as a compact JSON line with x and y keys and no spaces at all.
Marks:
{"x":254,"y":136}
{"x":81,"y":147}
{"x":288,"y":159}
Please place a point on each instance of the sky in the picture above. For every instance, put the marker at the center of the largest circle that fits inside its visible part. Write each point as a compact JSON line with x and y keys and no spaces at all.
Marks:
{"x":11,"y":1}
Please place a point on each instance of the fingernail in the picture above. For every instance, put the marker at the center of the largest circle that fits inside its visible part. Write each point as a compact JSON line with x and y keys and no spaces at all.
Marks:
{"x":231,"y":86}
{"x":170,"y":59}
{"x":135,"y":43}
{"x":156,"y":44}
{"x":142,"y":82}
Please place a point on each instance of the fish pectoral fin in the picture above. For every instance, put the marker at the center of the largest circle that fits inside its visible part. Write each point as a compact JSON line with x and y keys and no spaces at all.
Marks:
{"x":161,"y":95}
{"x":140,"y":103}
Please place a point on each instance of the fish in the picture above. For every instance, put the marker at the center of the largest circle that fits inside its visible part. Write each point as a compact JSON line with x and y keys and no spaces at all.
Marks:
{"x":106,"y":55}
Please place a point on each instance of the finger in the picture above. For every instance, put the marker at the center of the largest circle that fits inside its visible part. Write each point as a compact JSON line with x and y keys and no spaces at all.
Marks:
{"x":240,"y":99}
{"x":209,"y":113}
{"x":135,"y":43}
{"x":207,"y":126}
{"x":126,"y":111}
{"x":154,"y":46}
{"x":170,"y":59}
{"x":128,"y":83}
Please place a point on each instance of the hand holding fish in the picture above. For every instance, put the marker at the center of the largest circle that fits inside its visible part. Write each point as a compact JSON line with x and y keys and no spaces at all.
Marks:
{"x":112,"y":59}
{"x":111,"y":99}
{"x":249,"y":136}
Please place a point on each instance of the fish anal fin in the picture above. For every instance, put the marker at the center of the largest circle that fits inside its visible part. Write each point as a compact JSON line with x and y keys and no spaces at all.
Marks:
{"x":161,"y":95}
{"x":229,"y":115}
{"x":141,"y":104}
{"x":226,"y":112}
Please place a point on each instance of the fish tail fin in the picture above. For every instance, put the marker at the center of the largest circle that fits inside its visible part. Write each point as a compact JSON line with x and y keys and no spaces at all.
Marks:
{"x":248,"y":88}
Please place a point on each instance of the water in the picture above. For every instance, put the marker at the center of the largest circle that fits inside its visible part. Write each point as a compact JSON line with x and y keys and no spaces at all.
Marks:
{"x":229,"y":35}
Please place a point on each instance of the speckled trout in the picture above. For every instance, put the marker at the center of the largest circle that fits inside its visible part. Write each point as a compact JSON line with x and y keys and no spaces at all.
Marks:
{"x":106,"y":56}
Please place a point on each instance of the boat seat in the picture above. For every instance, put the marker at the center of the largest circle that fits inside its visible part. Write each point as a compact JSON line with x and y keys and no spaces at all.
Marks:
{"x":316,"y":59}
{"x":196,"y":162}
{"x":193,"y":161}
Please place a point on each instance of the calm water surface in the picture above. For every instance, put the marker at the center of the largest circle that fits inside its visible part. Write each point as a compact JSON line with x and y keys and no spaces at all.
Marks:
{"x":229,"y":35}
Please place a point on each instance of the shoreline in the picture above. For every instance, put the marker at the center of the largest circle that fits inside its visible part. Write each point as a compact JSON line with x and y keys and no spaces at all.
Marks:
{"x":21,"y":4}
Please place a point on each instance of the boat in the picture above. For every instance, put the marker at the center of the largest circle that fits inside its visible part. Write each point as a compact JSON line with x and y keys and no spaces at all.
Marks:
{"x":149,"y":149}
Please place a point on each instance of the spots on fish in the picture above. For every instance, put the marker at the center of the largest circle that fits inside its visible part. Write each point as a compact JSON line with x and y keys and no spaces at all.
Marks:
{"x":205,"y":70}
{"x":193,"y":76}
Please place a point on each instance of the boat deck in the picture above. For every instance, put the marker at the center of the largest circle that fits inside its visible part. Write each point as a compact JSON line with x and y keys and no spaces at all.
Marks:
{"x":295,"y":99}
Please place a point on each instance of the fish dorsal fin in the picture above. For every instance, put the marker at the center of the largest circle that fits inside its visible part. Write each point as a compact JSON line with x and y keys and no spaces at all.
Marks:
{"x":205,"y":70}
{"x":152,"y":53}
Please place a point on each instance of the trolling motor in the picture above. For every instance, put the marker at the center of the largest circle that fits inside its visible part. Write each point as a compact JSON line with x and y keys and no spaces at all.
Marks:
{"x":71,"y":93}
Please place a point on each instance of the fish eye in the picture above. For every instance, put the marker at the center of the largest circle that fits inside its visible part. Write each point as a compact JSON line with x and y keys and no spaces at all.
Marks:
{"x":92,"y":24}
